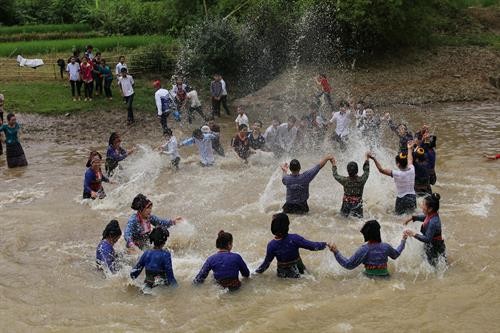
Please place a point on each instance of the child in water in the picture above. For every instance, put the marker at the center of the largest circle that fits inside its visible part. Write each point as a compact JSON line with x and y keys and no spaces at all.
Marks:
{"x":92,"y":183}
{"x":285,"y":247}
{"x":241,"y":143}
{"x":157,"y":261}
{"x":373,"y":254}
{"x":105,"y":253}
{"x":170,"y":148}
{"x":203,"y":138}
{"x":431,"y":232}
{"x":225,"y":264}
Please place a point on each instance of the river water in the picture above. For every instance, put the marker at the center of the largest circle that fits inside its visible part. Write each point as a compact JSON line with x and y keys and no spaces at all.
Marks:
{"x":48,"y":280}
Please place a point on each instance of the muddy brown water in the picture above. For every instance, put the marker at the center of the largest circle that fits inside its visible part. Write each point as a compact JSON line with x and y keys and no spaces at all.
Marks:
{"x":48,"y":280}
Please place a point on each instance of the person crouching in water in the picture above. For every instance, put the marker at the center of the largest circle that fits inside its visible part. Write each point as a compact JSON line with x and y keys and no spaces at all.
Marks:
{"x":422,"y":177}
{"x":373,"y":254}
{"x":297,"y":185}
{"x":105,"y":253}
{"x":170,"y":148}
{"x":225,"y":264}
{"x":431,"y":231}
{"x":352,"y":202}
{"x":92,"y":183}
{"x":241,"y":143}
{"x":157,"y":262}
{"x":203,"y":139}
{"x":140,"y":225}
{"x":285,"y":247}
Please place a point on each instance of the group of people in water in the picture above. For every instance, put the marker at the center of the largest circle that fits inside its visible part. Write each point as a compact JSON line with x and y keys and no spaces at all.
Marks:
{"x":413,"y":176}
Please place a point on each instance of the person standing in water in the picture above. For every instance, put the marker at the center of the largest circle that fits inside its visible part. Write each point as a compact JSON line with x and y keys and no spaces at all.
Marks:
{"x":164,"y":104}
{"x":115,"y":153}
{"x":297,"y":185}
{"x":225,"y":264}
{"x":285,"y":248}
{"x":215,"y":129}
{"x":255,"y":138}
{"x":326,"y":90}
{"x":105,"y":253}
{"x":287,"y":136}
{"x":157,"y":262}
{"x":422,"y":177}
{"x":352,"y":202}
{"x":402,"y":132}
{"x":140,"y":225}
{"x":203,"y":139}
{"x":271,"y":136}
{"x":373,"y":254}
{"x":404,"y":178}
{"x":431,"y":230}
{"x":342,"y":118}
{"x":92,"y":183}
{"x":13,"y":148}
{"x":241,"y":143}
{"x":170,"y":148}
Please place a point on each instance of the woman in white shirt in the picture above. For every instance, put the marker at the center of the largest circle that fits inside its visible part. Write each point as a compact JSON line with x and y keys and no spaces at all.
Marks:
{"x":404,"y":178}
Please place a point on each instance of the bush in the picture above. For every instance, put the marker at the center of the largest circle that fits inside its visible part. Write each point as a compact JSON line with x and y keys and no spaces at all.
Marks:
{"x":155,"y":58}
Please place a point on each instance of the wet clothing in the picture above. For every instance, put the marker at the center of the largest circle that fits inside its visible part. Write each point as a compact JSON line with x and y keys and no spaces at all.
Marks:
{"x":105,"y":256}
{"x":406,"y":199}
{"x":271,"y":137}
{"x":286,"y":137}
{"x":158,"y":265}
{"x":179,"y":91}
{"x":422,"y":178}
{"x":297,"y":190}
{"x":170,"y":148}
{"x":343,"y":120}
{"x":13,"y":148}
{"x":138,"y":230}
{"x":241,"y":146}
{"x":256,"y":142}
{"x":403,"y":139}
{"x":286,"y":251}
{"x":431,"y":237}
{"x":93,"y":183}
{"x":226,"y":267}
{"x":204,"y":147}
{"x":113,"y":156}
{"x":352,"y":202}
{"x":373,"y":256}
{"x":216,"y":142}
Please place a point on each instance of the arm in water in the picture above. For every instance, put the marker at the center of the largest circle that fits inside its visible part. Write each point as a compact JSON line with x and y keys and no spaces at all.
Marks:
{"x":136,"y":271}
{"x":245,"y":272}
{"x":168,"y":269}
{"x":202,"y":275}
{"x":267,"y":261}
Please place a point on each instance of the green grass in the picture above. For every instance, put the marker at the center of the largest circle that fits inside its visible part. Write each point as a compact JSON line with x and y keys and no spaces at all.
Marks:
{"x":43,"y":28}
{"x":40,"y":47}
{"x":4,"y":38}
{"x":477,"y":3}
{"x":479,"y":39}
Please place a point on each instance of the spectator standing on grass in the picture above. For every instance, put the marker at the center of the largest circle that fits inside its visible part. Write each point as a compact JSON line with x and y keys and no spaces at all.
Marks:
{"x":126,"y":83}
{"x":223,"y":98}
{"x":86,"y":69}
{"x":96,"y":62}
{"x":121,"y":64}
{"x":2,"y":100}
{"x":73,"y":69}
{"x":216,"y":93}
{"x":89,"y":52}
{"x":107,"y":78}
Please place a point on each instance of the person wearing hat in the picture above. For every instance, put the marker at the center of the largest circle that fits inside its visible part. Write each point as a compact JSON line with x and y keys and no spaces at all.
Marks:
{"x":142,"y":223}
{"x":203,"y":139}
{"x":105,"y":253}
{"x":352,"y":201}
{"x":297,"y":185}
{"x":126,"y":84}
{"x":285,"y":248}
{"x":164,"y":103}
{"x":92,"y":184}
{"x":373,"y":254}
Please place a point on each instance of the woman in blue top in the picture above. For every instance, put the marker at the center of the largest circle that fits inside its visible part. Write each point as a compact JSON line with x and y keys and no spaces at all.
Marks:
{"x":431,"y":233}
{"x":15,"y":152}
{"x":92,"y":183}
{"x":285,"y":247}
{"x":107,"y":77}
{"x":225,"y":264}
{"x":105,"y":253}
{"x":140,"y":225}
{"x":373,"y":254}
{"x":157,"y":262}
{"x":115,"y":153}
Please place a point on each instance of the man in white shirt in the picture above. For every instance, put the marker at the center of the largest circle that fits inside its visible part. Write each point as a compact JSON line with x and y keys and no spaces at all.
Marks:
{"x":73,"y":69}
{"x":343,"y":120}
{"x":194,"y":104}
{"x":126,"y":84}
{"x":118,"y":69}
{"x":271,"y":135}
{"x":287,"y":134}
{"x":164,"y":103}
{"x":242,"y":118}
{"x":223,"y":98}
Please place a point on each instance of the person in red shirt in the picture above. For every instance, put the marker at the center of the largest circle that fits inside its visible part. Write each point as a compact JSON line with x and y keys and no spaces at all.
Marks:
{"x":492,"y":157}
{"x":86,"y":72}
{"x":326,"y":89}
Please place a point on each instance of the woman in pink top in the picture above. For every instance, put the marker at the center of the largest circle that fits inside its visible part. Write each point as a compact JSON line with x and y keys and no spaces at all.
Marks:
{"x":86,"y":69}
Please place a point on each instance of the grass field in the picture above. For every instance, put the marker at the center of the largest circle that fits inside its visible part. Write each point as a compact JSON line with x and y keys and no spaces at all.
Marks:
{"x":479,"y":39}
{"x":48,"y":36}
{"x":40,"y":47}
{"x":43,"y":28}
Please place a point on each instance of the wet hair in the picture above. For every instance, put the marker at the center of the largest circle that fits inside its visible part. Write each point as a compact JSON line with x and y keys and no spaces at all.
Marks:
{"x":167,"y":131}
{"x":113,"y":137}
{"x":140,"y":202}
{"x":402,"y":160}
{"x":371,"y":231}
{"x":159,"y":236}
{"x":280,"y":224}
{"x":112,"y":230}
{"x":294,"y":165}
{"x":241,"y":127}
{"x":224,"y":239}
{"x":352,"y":169}
{"x":10,"y":116}
{"x":432,"y":201}
{"x":197,"y":132}
{"x":292,"y":119}
{"x":92,"y":154}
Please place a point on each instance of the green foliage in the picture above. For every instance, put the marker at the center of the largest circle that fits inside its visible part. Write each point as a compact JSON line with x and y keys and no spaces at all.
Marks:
{"x":155,"y":58}
{"x":8,"y":12}
{"x":50,"y":11}
{"x":43,"y":28}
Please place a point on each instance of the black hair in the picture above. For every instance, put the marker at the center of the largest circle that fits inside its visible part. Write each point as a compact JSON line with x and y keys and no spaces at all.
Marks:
{"x":103,"y":61}
{"x":112,"y":230}
{"x":113,"y":137}
{"x":167,"y":131}
{"x":432,"y":201}
{"x":260,"y":123}
{"x":402,"y":160}
{"x":224,"y":239}
{"x":361,"y":102}
{"x":294,"y":165}
{"x":97,"y":54}
{"x":371,"y":231}
{"x":292,"y":119}
{"x":343,"y":103}
{"x":197,"y":132}
{"x":123,"y":70}
{"x":352,"y":169}
{"x":140,"y":202}
{"x":90,"y":47}
{"x":322,"y":75}
{"x":241,"y":127}
{"x":304,"y":117}
{"x":276,"y":119}
{"x":280,"y":224}
{"x":92,"y":154}
{"x":121,"y":57}
{"x":159,"y":236}
{"x":10,"y":115}
{"x":211,"y":118}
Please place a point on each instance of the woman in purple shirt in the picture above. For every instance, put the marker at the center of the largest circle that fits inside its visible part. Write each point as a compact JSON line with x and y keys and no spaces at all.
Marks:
{"x":373,"y":254}
{"x":285,"y":247}
{"x":225,"y":264}
{"x":105,"y":253}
